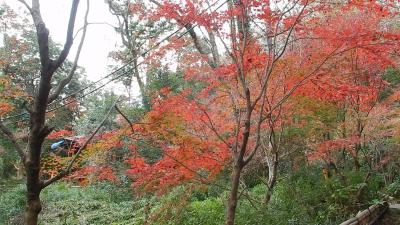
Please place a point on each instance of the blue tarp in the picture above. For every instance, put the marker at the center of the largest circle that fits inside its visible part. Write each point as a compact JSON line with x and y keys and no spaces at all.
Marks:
{"x":56,"y":145}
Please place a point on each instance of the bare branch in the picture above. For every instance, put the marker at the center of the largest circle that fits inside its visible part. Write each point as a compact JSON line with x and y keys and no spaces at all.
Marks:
{"x":94,"y":23}
{"x":211,"y":126}
{"x":53,"y":96}
{"x":269,"y":68}
{"x":126,"y":118}
{"x":156,"y":3}
{"x":70,"y":35}
{"x":26,"y":5}
{"x":258,"y":132}
{"x":42,"y":35}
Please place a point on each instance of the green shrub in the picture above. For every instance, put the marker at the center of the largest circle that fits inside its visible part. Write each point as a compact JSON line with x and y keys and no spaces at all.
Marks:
{"x":393,"y":189}
{"x":103,"y":203}
{"x":207,"y":212}
{"x":12,"y":203}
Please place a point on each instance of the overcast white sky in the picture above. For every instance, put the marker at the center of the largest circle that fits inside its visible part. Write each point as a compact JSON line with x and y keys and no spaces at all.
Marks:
{"x":100,"y":39}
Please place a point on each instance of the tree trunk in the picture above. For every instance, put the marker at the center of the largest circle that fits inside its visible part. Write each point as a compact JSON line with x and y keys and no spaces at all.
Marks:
{"x":32,"y":165}
{"x":233,"y":197}
{"x":357,"y":164}
{"x":33,"y":207}
{"x":272,"y":162}
{"x":33,"y":183}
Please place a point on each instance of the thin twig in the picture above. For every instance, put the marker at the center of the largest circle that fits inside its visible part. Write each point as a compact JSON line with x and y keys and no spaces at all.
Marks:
{"x":126,"y":118}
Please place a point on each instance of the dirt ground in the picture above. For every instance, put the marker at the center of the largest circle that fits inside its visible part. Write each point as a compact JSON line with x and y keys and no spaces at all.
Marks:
{"x":391,"y":217}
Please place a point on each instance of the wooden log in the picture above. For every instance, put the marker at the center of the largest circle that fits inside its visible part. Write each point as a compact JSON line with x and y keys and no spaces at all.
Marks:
{"x":368,"y":216}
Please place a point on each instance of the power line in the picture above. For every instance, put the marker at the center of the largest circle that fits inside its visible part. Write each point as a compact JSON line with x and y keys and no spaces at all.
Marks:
{"x":118,"y":69}
{"x":143,"y":54}
{"x":71,"y":101}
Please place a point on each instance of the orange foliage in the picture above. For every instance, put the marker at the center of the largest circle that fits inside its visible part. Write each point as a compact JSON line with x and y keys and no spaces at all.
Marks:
{"x":175,"y":126}
{"x":60,"y":134}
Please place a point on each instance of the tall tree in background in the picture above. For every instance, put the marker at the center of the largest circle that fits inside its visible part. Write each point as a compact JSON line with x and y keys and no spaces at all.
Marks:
{"x":43,"y":95}
{"x":138,"y":33}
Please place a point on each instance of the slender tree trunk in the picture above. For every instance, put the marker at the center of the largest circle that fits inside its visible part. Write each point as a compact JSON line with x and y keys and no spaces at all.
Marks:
{"x":233,"y":197}
{"x":272,"y":162}
{"x":358,"y":148}
{"x":142,"y":86}
{"x":357,"y":164}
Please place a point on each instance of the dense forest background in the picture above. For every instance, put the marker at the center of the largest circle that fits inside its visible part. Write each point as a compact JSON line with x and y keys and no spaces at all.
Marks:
{"x":232,"y":112}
